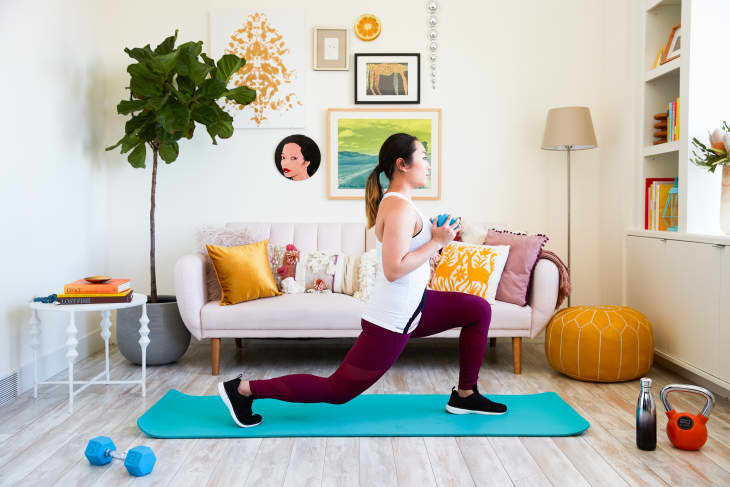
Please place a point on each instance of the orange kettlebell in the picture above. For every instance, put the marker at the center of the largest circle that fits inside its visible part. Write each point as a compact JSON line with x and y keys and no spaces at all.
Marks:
{"x":687,"y":431}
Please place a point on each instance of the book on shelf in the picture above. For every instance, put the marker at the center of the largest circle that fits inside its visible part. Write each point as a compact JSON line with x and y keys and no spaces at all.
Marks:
{"x":655,"y":198}
{"x":77,"y":299}
{"x":82,"y":286}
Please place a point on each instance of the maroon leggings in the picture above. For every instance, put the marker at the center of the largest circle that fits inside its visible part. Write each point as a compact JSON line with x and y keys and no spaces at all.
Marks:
{"x":376,"y":349}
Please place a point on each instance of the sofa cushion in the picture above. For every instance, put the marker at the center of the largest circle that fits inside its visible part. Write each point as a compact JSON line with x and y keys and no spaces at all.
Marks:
{"x":286,"y":312}
{"x":243,"y":272}
{"x":323,"y":311}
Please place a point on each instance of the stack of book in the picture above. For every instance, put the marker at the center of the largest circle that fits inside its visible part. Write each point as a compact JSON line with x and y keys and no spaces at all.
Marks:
{"x":666,"y":127}
{"x":85,"y":292}
{"x":655,"y":203}
{"x":673,"y":120}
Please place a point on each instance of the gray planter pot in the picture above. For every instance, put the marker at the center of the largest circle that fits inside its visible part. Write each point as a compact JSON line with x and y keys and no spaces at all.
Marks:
{"x":169,"y":339}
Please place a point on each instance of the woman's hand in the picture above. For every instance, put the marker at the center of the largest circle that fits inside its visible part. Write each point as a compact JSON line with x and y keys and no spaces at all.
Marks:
{"x":446,"y":232}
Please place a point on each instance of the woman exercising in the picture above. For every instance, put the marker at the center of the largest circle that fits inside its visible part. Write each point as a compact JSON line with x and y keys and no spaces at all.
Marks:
{"x":400,"y":306}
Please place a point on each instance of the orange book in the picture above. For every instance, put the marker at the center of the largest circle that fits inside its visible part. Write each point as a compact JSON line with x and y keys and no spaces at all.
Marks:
{"x":82,"y":286}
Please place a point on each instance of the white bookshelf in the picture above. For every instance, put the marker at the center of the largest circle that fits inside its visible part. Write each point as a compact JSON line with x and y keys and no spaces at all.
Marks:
{"x":681,"y":280}
{"x":700,"y":81}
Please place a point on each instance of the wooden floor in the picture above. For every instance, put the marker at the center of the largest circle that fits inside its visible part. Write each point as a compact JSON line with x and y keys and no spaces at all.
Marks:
{"x":42,"y":444}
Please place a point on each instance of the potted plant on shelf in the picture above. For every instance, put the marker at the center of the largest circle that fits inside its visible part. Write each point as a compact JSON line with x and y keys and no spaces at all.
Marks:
{"x":717,"y":154}
{"x":171,"y":88}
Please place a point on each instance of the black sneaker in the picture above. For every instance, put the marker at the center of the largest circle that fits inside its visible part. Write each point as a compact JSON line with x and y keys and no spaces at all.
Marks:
{"x":473,"y":404}
{"x":238,"y":404}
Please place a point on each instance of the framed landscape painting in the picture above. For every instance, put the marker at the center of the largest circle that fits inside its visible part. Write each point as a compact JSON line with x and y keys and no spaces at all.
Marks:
{"x":354,"y":137}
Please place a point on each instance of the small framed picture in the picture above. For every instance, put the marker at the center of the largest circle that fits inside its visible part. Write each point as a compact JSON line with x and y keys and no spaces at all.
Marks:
{"x":672,"y":49}
{"x":387,"y":78}
{"x":330,"y":49}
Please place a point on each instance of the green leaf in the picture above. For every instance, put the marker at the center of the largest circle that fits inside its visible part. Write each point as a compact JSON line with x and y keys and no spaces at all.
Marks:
{"x":222,"y":128}
{"x":198,"y":71}
{"x":156,"y":102}
{"x":137,"y":121}
{"x":125,"y":107}
{"x":185,"y":85}
{"x":148,"y":132}
{"x":212,"y":132}
{"x":173,"y":116}
{"x":209,"y":61}
{"x":167,"y":45}
{"x":211,"y":88}
{"x":164,"y":63}
{"x":141,"y":54}
{"x":138,"y":156}
{"x":192,"y":49}
{"x":227,"y":65}
{"x":128,"y":142}
{"x":119,"y":142}
{"x":169,"y":152}
{"x":204,"y":114}
{"x":141,"y":70}
{"x":144,"y":87}
{"x":241,"y":94}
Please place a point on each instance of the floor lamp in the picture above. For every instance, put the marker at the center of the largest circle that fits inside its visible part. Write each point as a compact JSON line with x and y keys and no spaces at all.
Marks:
{"x":569,"y":129}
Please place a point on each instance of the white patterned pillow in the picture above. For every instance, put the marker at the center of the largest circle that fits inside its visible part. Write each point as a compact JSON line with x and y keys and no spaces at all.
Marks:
{"x":318,"y":271}
{"x":367,"y":268}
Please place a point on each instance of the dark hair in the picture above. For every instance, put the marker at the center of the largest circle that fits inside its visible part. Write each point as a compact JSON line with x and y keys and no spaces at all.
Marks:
{"x":394,"y":147}
{"x":310,"y":152}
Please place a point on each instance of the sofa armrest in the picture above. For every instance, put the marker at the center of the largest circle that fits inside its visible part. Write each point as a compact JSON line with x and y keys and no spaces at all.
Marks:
{"x":543,"y":294}
{"x":190,"y":290}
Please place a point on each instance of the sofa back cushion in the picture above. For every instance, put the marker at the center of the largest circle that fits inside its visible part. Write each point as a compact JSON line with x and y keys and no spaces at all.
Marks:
{"x":347,"y":238}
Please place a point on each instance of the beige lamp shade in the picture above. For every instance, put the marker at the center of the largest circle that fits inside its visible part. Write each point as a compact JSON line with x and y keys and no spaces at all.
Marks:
{"x":569,"y":128}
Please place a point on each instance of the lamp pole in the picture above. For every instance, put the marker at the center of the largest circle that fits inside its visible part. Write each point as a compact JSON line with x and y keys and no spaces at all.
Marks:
{"x":569,"y":267}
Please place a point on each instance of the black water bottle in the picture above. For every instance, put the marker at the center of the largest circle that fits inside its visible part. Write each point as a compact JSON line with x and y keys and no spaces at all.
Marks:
{"x":646,"y":417}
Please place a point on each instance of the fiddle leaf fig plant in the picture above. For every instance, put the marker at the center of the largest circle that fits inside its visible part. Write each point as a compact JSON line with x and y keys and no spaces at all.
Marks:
{"x":171,"y":88}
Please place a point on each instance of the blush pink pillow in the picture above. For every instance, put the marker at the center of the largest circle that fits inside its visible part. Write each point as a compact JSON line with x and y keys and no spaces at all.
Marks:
{"x":523,"y":253}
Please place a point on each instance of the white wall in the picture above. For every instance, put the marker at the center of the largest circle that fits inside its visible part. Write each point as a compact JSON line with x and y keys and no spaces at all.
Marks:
{"x":53,"y":184}
{"x":502,"y":65}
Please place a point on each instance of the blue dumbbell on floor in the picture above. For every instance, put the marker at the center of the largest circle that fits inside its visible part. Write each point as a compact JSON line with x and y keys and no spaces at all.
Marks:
{"x":442,"y":219}
{"x":139,"y":461}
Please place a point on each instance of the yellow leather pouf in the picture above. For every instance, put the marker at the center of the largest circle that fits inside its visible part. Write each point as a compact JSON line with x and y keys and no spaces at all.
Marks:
{"x":600,"y":343}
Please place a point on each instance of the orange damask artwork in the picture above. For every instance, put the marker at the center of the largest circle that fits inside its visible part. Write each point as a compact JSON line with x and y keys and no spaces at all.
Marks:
{"x":267,"y":69}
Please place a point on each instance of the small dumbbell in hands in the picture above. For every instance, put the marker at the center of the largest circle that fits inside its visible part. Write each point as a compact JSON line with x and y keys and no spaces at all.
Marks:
{"x":139,"y":461}
{"x":443,"y":232}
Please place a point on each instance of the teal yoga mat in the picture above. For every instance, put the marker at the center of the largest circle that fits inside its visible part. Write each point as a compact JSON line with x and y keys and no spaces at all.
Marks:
{"x":178,"y":415}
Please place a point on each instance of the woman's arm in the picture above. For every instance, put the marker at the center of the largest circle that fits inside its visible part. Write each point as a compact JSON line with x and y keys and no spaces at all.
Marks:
{"x":397,"y":234}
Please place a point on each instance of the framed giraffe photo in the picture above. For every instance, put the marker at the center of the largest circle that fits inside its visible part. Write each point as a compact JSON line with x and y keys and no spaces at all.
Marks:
{"x":387,"y":78}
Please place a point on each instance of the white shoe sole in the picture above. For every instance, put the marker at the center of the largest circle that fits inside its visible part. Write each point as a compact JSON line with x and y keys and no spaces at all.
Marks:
{"x":454,"y":410}
{"x":224,"y":396}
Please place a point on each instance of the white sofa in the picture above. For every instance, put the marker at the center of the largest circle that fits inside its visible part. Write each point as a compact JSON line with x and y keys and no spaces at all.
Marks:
{"x":331,"y":315}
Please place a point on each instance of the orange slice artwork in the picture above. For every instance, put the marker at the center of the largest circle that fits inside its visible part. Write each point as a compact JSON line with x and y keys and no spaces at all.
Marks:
{"x":367,"y":27}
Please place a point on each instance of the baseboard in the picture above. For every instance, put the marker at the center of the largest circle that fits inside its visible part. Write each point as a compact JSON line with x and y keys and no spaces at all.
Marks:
{"x":54,"y":362}
{"x":718,"y":386}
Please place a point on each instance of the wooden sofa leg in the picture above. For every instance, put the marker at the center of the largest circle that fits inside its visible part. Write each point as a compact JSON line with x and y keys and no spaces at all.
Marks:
{"x":215,"y":351}
{"x":493,"y":342}
{"x":517,"y":354}
{"x":239,"y":342}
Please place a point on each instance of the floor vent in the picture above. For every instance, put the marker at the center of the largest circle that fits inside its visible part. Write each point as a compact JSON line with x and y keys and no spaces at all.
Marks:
{"x":8,"y":388}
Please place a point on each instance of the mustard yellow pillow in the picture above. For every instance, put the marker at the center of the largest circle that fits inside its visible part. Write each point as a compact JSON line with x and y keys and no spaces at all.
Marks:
{"x":471,"y":269}
{"x":243,"y":272}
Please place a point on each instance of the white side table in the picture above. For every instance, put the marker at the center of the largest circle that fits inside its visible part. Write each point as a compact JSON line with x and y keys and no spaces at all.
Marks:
{"x":71,"y":342}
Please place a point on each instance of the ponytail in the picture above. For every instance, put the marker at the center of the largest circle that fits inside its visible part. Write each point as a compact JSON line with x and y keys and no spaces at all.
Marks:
{"x":396,"y":146}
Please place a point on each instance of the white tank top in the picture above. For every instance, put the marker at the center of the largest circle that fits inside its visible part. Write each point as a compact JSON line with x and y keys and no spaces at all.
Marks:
{"x":397,"y":305}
